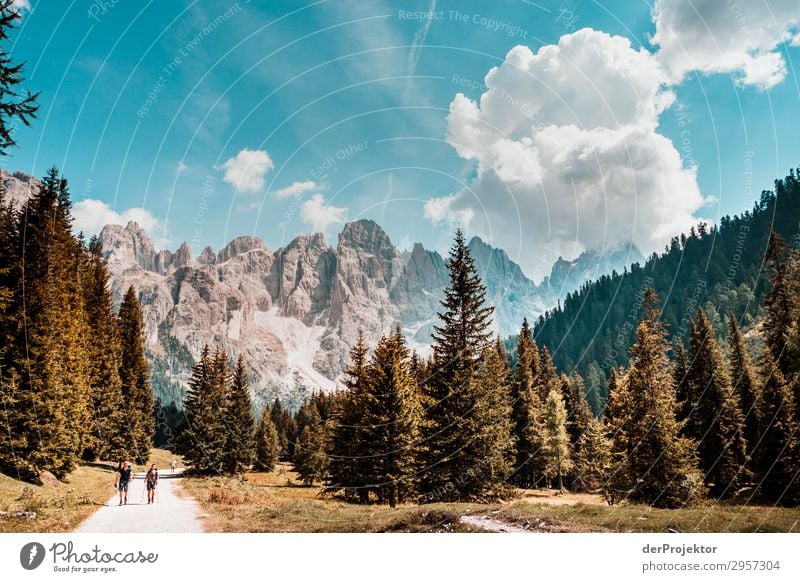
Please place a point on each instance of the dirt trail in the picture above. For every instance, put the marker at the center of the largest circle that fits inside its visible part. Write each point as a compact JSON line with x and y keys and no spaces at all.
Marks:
{"x":174,"y":512}
{"x":489,"y":524}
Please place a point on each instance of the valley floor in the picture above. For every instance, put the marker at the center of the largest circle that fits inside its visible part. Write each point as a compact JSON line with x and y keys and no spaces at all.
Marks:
{"x":277,"y":502}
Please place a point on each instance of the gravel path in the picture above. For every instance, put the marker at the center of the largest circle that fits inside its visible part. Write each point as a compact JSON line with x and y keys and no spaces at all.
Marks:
{"x":173,"y":513}
{"x":489,"y":524}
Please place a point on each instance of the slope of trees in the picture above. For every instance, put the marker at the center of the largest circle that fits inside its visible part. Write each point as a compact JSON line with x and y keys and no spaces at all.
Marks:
{"x":717,"y":268}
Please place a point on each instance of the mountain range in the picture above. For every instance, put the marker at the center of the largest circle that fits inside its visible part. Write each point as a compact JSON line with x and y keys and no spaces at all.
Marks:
{"x":294,"y":312}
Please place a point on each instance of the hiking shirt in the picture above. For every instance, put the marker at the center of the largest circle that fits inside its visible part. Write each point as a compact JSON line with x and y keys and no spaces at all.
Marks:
{"x":125,"y":475}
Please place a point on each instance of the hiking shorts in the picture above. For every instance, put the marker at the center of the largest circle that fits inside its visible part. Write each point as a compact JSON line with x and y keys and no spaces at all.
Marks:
{"x":123,"y":486}
{"x":151,"y":486}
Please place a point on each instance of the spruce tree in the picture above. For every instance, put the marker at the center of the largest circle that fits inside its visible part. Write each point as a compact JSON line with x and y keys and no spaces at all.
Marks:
{"x":776,"y":457}
{"x":746,"y":385}
{"x":579,"y":414}
{"x":390,"y":425}
{"x":527,"y":411}
{"x":267,"y":445}
{"x":653,"y":464}
{"x":716,"y":420}
{"x":457,"y":430}
{"x":780,"y":303}
{"x":240,"y":447}
{"x":346,"y":450}
{"x":310,"y":460}
{"x":134,"y":371}
{"x":286,"y":428}
{"x":556,"y":449}
{"x":46,"y":371}
{"x":108,"y":413}
{"x":204,"y":441}
{"x":593,"y":459}
{"x":14,"y":104}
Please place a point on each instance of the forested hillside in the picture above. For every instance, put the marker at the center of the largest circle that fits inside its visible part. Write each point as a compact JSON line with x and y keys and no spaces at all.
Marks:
{"x":718,"y":268}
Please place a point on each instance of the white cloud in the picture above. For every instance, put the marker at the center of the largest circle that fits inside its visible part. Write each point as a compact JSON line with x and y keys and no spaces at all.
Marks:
{"x":247,"y":170}
{"x":416,"y":49}
{"x":320,"y":215}
{"x":296,"y":189}
{"x":567,"y":154}
{"x":740,"y":38}
{"x":91,"y":215}
{"x":22,"y":5}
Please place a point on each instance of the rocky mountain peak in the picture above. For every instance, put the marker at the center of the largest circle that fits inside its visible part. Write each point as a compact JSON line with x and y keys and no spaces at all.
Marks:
{"x":240,"y":245}
{"x":368,"y":236}
{"x":128,"y":246}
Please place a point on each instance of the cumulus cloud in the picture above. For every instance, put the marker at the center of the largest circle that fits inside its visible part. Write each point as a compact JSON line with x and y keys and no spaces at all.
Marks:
{"x":740,"y":38}
{"x":296,"y":189}
{"x":320,"y":215}
{"x":567,"y":154}
{"x":246,"y":172}
{"x":91,"y":215}
{"x":22,"y":5}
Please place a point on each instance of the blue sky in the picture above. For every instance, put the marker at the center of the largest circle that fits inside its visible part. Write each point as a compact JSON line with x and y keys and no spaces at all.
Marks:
{"x":278,"y":118}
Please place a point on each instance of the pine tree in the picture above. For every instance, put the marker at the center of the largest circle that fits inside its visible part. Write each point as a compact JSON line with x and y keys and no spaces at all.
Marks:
{"x":527,"y":411}
{"x":654,"y":464}
{"x":46,"y":380}
{"x":391,"y":422}
{"x":204,"y":440}
{"x":286,"y":428}
{"x":267,"y":445}
{"x":776,"y":455}
{"x":137,"y":394}
{"x":593,"y":459}
{"x":14,"y":105}
{"x":556,"y":449}
{"x":457,"y":431}
{"x":579,"y":415}
{"x":716,"y":420}
{"x":240,"y":447}
{"x":780,"y":303}
{"x":746,"y":384}
{"x":108,"y":413}
{"x":310,"y":460}
{"x":346,"y":446}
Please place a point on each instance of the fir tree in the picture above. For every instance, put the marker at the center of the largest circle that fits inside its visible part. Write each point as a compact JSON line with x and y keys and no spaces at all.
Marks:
{"x":776,"y":455}
{"x":463,"y":457}
{"x":205,"y":438}
{"x":593,"y":459}
{"x":267,"y":445}
{"x":134,"y":371}
{"x":579,"y":414}
{"x":310,"y":460}
{"x":391,"y":422}
{"x":346,"y":446}
{"x":46,"y":380}
{"x":286,"y":427}
{"x":716,"y":420}
{"x":108,"y":413}
{"x":654,"y":464}
{"x":240,"y":446}
{"x":780,"y":303}
{"x":746,"y":384}
{"x":556,"y":449}
{"x":14,"y":104}
{"x":527,"y":411}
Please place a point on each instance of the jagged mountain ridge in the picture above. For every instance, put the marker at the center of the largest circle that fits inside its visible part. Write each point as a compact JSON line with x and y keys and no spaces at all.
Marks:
{"x":294,"y":312}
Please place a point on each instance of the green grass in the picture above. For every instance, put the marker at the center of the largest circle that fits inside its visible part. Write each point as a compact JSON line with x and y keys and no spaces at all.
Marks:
{"x":277,"y":502}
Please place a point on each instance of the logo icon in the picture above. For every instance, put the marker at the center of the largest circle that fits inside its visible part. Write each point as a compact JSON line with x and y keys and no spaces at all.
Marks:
{"x":31,"y":555}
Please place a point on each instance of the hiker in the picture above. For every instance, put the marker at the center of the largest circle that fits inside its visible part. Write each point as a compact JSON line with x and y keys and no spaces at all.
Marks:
{"x":121,"y":481}
{"x":152,"y":482}
{"x":172,"y":465}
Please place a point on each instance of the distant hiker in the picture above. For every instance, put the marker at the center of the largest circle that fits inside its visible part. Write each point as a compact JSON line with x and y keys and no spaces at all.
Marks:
{"x":172,"y":465}
{"x":152,"y":482}
{"x":121,"y":481}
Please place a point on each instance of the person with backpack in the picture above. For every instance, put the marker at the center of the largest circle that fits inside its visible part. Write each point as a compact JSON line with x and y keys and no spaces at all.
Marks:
{"x":122,"y":480}
{"x":151,"y":480}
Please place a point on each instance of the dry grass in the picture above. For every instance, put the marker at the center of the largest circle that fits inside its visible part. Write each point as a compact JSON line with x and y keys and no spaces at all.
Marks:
{"x":277,"y":502}
{"x":61,"y":505}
